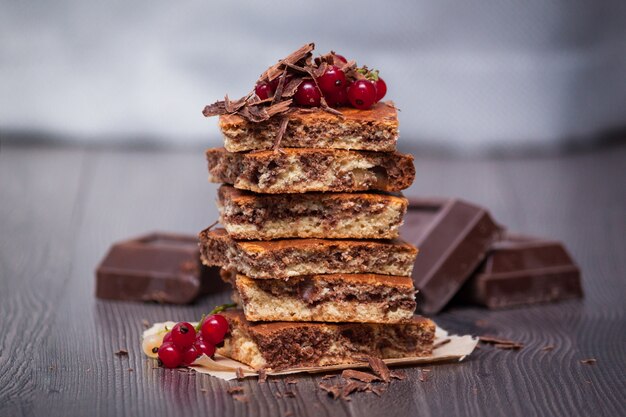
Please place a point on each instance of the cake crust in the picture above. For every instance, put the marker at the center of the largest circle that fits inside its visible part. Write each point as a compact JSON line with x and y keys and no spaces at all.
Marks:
{"x":281,"y":345}
{"x":251,"y":216}
{"x":375,"y":129}
{"x":284,"y":258}
{"x":298,"y":170}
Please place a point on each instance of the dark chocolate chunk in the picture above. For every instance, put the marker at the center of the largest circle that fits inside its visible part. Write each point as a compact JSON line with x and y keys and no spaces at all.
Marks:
{"x":452,"y":237}
{"x":160,"y":267}
{"x":523,"y":270}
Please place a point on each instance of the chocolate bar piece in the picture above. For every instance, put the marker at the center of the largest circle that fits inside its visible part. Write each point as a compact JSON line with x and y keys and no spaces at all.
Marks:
{"x":251,"y":216}
{"x":292,"y":257}
{"x":300,"y":170}
{"x":280,"y":345}
{"x":364,"y":298}
{"x":452,"y":237}
{"x":160,"y":267}
{"x":524,"y":270}
{"x":375,"y":129}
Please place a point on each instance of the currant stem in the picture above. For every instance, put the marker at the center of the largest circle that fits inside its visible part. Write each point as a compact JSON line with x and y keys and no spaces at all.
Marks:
{"x":216,"y":310}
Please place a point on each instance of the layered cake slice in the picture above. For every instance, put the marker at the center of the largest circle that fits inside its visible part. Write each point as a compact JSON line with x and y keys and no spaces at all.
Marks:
{"x":365,"y":298}
{"x":375,"y":129}
{"x":299,"y":170}
{"x":280,"y":345}
{"x":286,"y":258}
{"x":251,"y":216}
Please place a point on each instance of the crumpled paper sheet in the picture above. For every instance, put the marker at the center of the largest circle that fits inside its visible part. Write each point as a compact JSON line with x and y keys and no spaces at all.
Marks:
{"x":225,"y":368}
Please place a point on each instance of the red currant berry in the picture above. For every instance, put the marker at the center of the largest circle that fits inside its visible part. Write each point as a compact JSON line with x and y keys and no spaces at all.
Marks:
{"x":362,"y":94}
{"x":381,"y":89}
{"x":183,"y":335}
{"x":307,"y":94}
{"x":170,"y":355}
{"x":190,"y":355}
{"x":341,"y":59}
{"x":167,"y":338}
{"x":332,"y":80}
{"x":264,"y":90}
{"x":214,"y":329}
{"x":338,"y":98}
{"x":205,"y":347}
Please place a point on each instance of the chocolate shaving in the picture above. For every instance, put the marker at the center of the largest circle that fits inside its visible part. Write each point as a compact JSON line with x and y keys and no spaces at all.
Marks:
{"x":240,"y":398}
{"x":329,"y":376}
{"x":441,"y":343}
{"x":358,"y":375}
{"x":262,"y":376}
{"x":145,"y":323}
{"x":398,"y":375}
{"x":379,"y":368}
{"x":281,"y":132}
{"x":507,"y":346}
{"x":332,"y":390}
{"x":290,"y":394}
{"x":423,"y":375}
{"x":275,"y":70}
{"x":379,"y":389}
{"x":234,"y":390}
{"x":501,"y":343}
{"x":590,"y":361}
{"x":121,"y":352}
{"x":239,"y":373}
{"x":548,"y":348}
{"x":352,"y":386}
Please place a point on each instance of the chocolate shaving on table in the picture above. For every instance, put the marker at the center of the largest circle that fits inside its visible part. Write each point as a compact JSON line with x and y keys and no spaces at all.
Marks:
{"x":398,"y":375}
{"x":379,"y":389}
{"x":331,"y":389}
{"x":352,"y":386}
{"x":498,"y":341}
{"x":241,"y":398}
{"x":121,"y":352}
{"x":234,"y":390}
{"x":590,"y":361}
{"x":379,"y":368}
{"x":262,"y":376}
{"x":359,"y":375}
{"x":423,"y":375}
{"x":290,"y":394}
{"x":508,"y":346}
{"x":547,"y":348}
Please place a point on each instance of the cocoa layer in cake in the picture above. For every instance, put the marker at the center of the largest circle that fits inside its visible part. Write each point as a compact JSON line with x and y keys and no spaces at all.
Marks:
{"x":286,"y":258}
{"x":248,"y":215}
{"x":280,"y":345}
{"x":375,"y":129}
{"x":364,"y":298}
{"x":297,"y":170}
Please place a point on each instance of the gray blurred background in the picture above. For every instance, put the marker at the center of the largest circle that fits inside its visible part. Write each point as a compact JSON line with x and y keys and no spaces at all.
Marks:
{"x":470,"y":77}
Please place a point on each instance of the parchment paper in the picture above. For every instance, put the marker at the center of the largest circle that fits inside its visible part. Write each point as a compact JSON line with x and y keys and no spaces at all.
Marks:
{"x":224,"y":368}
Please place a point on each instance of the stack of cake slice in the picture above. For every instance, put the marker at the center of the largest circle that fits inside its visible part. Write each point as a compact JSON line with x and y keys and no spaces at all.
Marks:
{"x":310,"y":239}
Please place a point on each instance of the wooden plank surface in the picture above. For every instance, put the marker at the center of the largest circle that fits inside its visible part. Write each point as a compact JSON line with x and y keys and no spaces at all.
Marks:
{"x":60,"y":209}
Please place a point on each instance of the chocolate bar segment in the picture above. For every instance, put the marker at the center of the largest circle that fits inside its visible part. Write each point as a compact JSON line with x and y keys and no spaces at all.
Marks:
{"x":286,"y":258}
{"x":160,"y":267}
{"x":375,"y":129}
{"x":523,"y":270}
{"x":280,"y":345}
{"x":453,"y":238}
{"x":251,"y":216}
{"x":364,"y":298}
{"x":300,"y":170}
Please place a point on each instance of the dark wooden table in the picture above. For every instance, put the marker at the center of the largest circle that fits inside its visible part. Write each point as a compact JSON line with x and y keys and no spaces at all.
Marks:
{"x":61,"y":208}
